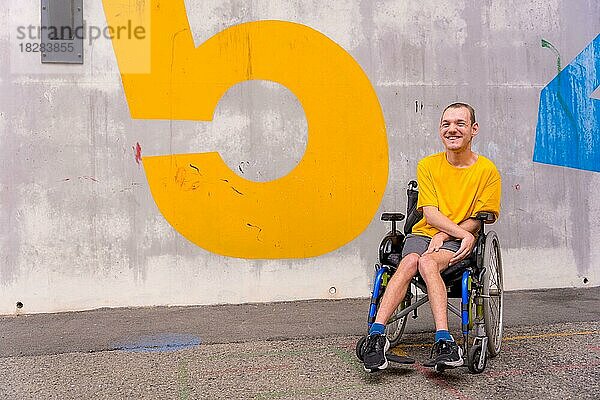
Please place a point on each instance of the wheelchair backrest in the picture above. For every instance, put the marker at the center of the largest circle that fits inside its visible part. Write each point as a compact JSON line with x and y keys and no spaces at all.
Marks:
{"x":412,"y":214}
{"x":390,"y":249}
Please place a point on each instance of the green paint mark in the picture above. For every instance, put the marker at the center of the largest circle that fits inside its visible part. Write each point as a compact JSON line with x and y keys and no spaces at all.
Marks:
{"x":346,"y":357}
{"x":294,"y":393}
{"x":245,"y":355}
{"x":349,"y":359}
{"x":546,"y":44}
{"x":182,"y":378}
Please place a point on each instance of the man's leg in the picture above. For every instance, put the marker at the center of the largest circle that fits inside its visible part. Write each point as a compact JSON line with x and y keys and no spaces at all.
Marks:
{"x":376,"y":343}
{"x":397,"y":287}
{"x":430,"y":266}
{"x":446,"y":350}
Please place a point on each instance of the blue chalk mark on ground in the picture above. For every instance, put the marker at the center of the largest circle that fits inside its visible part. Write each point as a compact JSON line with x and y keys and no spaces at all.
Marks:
{"x":568,"y":127}
{"x":159,"y":343}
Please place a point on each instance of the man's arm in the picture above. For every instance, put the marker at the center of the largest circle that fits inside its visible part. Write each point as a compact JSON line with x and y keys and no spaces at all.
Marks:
{"x":438,"y":220}
{"x":463,"y":231}
{"x":469,"y":224}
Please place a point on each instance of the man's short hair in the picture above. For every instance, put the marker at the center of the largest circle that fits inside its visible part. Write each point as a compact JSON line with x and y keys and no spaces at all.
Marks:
{"x":462,"y":105}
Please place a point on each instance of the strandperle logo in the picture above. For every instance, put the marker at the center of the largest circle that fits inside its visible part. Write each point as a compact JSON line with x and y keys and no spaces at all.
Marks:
{"x":127,"y":31}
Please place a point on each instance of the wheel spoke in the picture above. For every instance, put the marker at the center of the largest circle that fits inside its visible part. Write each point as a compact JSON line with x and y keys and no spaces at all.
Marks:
{"x":493,"y":291}
{"x":494,"y":272}
{"x":493,"y":312}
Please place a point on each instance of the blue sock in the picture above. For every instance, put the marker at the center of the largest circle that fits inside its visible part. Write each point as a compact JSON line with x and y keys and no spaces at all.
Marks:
{"x":377,"y":328}
{"x":443,"y":335}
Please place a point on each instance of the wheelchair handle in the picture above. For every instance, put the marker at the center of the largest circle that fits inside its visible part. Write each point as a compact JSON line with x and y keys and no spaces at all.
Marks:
{"x":485,"y":217}
{"x":394,"y":217}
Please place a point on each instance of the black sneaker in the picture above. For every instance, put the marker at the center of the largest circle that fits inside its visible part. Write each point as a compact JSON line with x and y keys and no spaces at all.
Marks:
{"x":445,"y":354}
{"x":375,"y":348}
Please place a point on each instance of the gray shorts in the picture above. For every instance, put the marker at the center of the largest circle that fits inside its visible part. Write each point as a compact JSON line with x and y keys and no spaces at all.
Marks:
{"x":419,"y":244}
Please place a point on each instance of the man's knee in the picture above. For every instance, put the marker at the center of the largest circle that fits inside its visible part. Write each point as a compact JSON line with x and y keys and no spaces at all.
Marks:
{"x":428,"y":266}
{"x":409,"y":264}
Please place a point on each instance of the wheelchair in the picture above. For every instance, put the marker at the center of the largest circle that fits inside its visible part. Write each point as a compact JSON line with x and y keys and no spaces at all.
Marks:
{"x":476,"y":280}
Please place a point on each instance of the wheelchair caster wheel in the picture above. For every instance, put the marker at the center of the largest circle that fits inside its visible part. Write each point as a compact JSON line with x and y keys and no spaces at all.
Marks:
{"x":439,"y":368}
{"x":477,"y":359}
{"x":360,"y":348}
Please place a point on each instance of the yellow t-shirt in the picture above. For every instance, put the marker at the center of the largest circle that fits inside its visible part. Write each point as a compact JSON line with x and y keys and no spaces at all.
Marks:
{"x":459,"y":193}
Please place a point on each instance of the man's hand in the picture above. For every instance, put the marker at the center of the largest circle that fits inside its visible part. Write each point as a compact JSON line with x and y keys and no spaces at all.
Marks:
{"x":464,"y":231}
{"x":436,"y":242}
{"x":466,"y":246}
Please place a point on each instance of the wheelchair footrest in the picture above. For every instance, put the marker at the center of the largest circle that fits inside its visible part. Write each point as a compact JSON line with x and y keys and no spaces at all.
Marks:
{"x":399,"y":359}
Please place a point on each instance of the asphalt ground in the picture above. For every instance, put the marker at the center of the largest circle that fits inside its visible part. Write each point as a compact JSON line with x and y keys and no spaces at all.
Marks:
{"x":296,"y":350}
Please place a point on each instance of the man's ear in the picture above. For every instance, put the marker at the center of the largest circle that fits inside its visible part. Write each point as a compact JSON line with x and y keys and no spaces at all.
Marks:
{"x":475,"y":129}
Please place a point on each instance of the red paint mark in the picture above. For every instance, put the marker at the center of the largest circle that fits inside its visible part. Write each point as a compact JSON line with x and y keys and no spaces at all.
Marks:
{"x":508,"y":372}
{"x":429,"y":374}
{"x":556,"y":368}
{"x":595,"y":349}
{"x":138,"y":153}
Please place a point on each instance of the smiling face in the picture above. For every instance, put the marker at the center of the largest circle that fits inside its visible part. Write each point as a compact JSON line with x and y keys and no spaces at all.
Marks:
{"x":457,"y":130}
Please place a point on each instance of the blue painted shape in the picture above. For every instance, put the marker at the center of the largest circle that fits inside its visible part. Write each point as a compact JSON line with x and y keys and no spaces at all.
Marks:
{"x":568,"y":128}
{"x":160,"y":343}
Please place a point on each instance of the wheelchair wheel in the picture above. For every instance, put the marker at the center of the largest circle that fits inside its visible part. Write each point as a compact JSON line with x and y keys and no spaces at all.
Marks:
{"x":395,"y":330}
{"x":493,"y":293}
{"x":473,"y":359}
{"x":359,"y":348}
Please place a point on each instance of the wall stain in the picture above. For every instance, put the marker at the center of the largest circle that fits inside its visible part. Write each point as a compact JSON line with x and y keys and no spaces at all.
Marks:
{"x":259,"y":230}
{"x":578,"y":196}
{"x":180,"y":176}
{"x":89,"y":178}
{"x":241,"y":164}
{"x":418,"y":106}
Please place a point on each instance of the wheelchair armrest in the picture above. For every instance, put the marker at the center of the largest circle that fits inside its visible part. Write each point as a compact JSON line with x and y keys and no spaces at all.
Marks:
{"x":455,"y":270}
{"x":486,"y":217}
{"x":392,"y":217}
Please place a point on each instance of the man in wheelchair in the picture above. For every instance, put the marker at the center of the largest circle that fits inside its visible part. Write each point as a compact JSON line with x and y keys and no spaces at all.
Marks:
{"x":455,"y":185}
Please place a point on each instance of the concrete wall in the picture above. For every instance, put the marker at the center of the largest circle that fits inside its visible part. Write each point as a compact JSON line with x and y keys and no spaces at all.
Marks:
{"x":84,"y":221}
